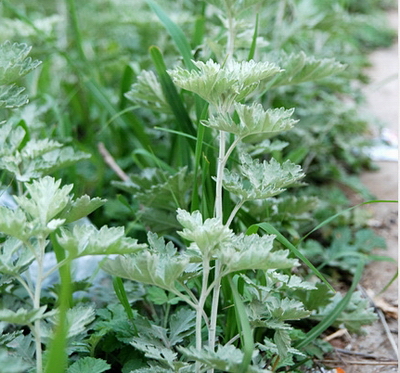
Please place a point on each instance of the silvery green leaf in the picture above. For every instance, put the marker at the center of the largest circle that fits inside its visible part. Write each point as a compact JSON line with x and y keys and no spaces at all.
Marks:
{"x":14,"y":62}
{"x":22,"y":316}
{"x":15,"y":257}
{"x":11,"y":96}
{"x":159,"y":220}
{"x":261,"y":180}
{"x":53,"y":224}
{"x":282,"y":341}
{"x":81,"y":207}
{"x":299,"y":68}
{"x":227,"y":358}
{"x":157,"y":189}
{"x":148,"y":92}
{"x":88,"y":240}
{"x":207,"y":235}
{"x":158,"y":370}
{"x":253,"y":252}
{"x":162,"y":354}
{"x":14,"y":164}
{"x":271,"y":348}
{"x":14,"y":223}
{"x":89,"y":365}
{"x":220,"y":85}
{"x":36,"y":158}
{"x":253,"y":120}
{"x":62,"y":157}
{"x":46,"y":200}
{"x":161,"y":265}
{"x":357,"y":313}
{"x":290,"y":282}
{"x":24,"y":347}
{"x":286,"y":309}
{"x":264,"y":147}
{"x":77,"y":319}
{"x":150,"y":334}
{"x":263,"y":123}
{"x":35,"y":148}
{"x":12,"y":363}
{"x":167,"y":191}
{"x":181,"y":324}
{"x":10,"y":138}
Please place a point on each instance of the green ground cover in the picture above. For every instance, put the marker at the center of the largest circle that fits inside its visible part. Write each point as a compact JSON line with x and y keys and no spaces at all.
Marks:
{"x":200,"y":158}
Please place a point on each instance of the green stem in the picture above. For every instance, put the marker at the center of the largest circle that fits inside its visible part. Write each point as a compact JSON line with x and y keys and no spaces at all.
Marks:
{"x":234,"y":211}
{"x":26,"y":286}
{"x":214,"y":308}
{"x":200,"y":308}
{"x":220,"y":175}
{"x":36,"y":304}
{"x":184,"y":298}
{"x":230,"y":150}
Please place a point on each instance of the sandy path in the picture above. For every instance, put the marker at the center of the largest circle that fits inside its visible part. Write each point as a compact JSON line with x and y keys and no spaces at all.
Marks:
{"x":382,"y":96}
{"x":383,"y":102}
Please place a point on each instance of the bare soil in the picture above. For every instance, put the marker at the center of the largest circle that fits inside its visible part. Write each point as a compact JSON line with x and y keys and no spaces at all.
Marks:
{"x":377,"y":351}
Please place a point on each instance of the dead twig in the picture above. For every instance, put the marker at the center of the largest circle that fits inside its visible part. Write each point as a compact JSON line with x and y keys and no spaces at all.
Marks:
{"x":361,"y":354}
{"x":108,"y":158}
{"x":358,"y":362}
{"x":383,"y":321}
{"x":339,"y":333}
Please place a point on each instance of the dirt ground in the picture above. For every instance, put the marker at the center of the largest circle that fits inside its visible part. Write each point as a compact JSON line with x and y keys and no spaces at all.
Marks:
{"x":378,"y":351}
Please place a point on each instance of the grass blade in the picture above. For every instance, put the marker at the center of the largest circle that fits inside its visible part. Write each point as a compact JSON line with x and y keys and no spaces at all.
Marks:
{"x":244,"y":326}
{"x":57,"y":353}
{"x":171,"y":94}
{"x":271,"y":230}
{"x":254,"y":41}
{"x":396,"y":275}
{"x":123,"y":298}
{"x":326,"y":221}
{"x":176,"y":33}
{"x":197,"y":163}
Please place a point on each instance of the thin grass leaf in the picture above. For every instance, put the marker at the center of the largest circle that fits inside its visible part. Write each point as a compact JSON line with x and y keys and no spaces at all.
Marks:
{"x":101,"y":98}
{"x":176,"y":33}
{"x":244,"y":326}
{"x":126,"y":82}
{"x":271,"y":230}
{"x":396,"y":275}
{"x":155,"y":161}
{"x":123,"y":298}
{"x":330,"y":319}
{"x":253,"y":41}
{"x":198,"y":33}
{"x":171,"y":94}
{"x":57,"y":353}
{"x":326,"y":221}
{"x":183,"y":134}
{"x":208,"y":190}
{"x":197,"y":164}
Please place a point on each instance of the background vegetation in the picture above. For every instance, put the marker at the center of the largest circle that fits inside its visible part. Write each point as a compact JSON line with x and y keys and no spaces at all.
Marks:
{"x":97,"y":122}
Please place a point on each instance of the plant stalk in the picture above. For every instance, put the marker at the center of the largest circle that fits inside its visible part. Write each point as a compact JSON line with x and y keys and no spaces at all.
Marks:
{"x":200,"y":308}
{"x":220,"y":175}
{"x":214,"y":306}
{"x":36,"y":305}
{"x":234,"y":211}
